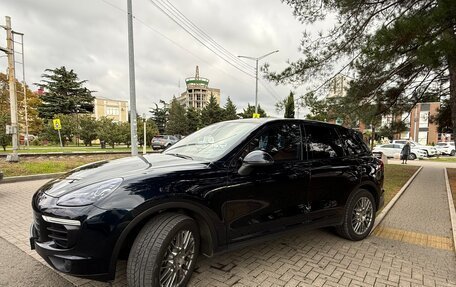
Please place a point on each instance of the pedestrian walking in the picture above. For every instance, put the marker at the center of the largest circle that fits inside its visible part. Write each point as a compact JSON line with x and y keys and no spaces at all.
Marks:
{"x":405,"y":152}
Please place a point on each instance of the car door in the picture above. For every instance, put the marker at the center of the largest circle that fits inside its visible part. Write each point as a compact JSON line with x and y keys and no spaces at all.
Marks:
{"x":388,"y":150}
{"x":334,"y":174}
{"x":269,"y":198}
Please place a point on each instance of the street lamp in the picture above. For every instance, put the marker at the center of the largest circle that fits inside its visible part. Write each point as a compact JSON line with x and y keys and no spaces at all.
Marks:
{"x":256,"y":74}
{"x":77,"y":124}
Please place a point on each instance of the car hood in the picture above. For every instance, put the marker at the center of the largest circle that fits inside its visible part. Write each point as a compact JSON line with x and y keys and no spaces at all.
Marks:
{"x":120,"y":168}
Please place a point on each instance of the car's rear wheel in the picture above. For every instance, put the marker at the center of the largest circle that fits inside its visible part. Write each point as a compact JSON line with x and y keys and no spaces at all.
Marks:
{"x":164,"y":252}
{"x":359,"y":216}
{"x":453,"y":152}
{"x":412,"y":156}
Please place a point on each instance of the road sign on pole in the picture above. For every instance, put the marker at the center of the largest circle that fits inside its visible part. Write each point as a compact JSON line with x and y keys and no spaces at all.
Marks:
{"x":57,"y":125}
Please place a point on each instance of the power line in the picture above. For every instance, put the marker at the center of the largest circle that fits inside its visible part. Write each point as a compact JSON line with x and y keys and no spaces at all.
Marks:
{"x":198,"y":39}
{"x":148,"y":26}
{"x":203,"y":34}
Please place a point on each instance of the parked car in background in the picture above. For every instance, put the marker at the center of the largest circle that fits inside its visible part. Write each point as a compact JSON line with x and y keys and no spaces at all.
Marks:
{"x":430,"y":150}
{"x":163,"y":141}
{"x":390,"y":150}
{"x":226,"y":185}
{"x":447,"y":148}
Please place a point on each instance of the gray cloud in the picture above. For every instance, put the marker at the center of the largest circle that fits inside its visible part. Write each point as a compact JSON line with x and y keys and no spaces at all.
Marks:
{"x":89,"y":36}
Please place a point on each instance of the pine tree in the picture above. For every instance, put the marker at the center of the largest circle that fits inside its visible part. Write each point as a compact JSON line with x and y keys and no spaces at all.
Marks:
{"x":160,"y":116}
{"x":399,"y":51}
{"x":64,"y":94}
{"x":230,"y":110}
{"x":211,"y":113}
{"x":193,"y":120}
{"x":248,"y":112}
{"x":177,"y":121}
{"x":289,"y":107}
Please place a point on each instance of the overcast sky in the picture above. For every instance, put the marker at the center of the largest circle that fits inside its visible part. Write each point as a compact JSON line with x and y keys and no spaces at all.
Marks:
{"x":90,"y":36}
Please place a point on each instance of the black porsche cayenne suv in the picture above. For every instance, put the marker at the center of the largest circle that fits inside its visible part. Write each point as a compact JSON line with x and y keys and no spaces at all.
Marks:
{"x":223,"y":186}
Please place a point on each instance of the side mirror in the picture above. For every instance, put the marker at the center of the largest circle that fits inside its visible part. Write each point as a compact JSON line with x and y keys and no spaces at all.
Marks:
{"x":256,"y":158}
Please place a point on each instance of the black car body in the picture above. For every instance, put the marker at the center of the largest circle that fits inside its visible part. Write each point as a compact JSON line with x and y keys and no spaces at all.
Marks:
{"x":90,"y":217}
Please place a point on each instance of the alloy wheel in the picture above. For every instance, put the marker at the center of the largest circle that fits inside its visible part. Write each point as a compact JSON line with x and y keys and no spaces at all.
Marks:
{"x":362,"y":215}
{"x":178,"y":259}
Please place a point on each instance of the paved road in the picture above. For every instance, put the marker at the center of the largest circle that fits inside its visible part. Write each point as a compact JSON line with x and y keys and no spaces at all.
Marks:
{"x":19,"y":269}
{"x":408,"y":249}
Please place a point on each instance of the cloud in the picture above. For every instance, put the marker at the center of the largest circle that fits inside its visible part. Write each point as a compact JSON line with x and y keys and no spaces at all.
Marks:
{"x":90,"y":37}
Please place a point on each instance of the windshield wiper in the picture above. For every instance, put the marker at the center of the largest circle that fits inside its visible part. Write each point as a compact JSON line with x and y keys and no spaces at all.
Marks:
{"x":180,"y":155}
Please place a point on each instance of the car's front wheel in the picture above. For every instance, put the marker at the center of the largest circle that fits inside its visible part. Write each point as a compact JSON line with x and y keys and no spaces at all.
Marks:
{"x":453,"y":152}
{"x":412,"y":156}
{"x":359,"y":216}
{"x":164,"y":252}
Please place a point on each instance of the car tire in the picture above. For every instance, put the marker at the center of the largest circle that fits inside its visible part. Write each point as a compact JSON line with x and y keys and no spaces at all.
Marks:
{"x":360,"y":208}
{"x":412,"y":156}
{"x":453,"y":152}
{"x":165,"y":251}
{"x":427,"y":153}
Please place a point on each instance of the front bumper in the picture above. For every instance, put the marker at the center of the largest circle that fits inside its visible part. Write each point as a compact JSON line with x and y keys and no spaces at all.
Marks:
{"x":63,"y":261}
{"x":85,"y":251}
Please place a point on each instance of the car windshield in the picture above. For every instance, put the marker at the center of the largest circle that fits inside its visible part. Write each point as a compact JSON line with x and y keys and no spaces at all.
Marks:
{"x":211,"y":142}
{"x":441,"y":144}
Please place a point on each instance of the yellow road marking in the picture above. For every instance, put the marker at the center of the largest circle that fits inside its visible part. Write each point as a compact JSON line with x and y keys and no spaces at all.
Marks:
{"x":423,"y":239}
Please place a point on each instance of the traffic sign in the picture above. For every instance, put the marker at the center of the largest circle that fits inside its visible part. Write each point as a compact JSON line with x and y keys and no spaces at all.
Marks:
{"x":57,"y":125}
{"x":256,"y":116}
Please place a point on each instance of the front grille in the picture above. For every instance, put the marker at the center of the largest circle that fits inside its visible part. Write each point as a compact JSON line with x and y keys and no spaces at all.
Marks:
{"x":58,"y":233}
{"x":63,"y":236}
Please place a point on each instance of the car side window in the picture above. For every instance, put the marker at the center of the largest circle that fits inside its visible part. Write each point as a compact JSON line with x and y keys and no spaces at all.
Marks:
{"x":352,"y":143}
{"x":281,"y":141}
{"x":322,"y":142}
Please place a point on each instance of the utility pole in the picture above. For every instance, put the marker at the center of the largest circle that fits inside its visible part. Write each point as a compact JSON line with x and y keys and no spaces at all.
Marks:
{"x":131,"y":61}
{"x":256,"y":74}
{"x":24,"y":87}
{"x":14,"y":157}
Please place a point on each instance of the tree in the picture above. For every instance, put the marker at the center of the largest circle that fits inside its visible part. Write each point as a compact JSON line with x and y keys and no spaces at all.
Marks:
{"x":193,"y":120}
{"x":443,"y":117}
{"x":177,"y":121}
{"x":35,"y":124}
{"x":160,"y":116}
{"x":4,"y":138}
{"x":399,"y":51}
{"x":151,"y":130}
{"x":230,"y":110}
{"x":67,"y":131}
{"x":248,"y":112}
{"x":64,"y":94}
{"x":211,"y":113}
{"x":108,"y":132}
{"x":289,"y":107}
{"x":123,"y":133}
{"x":88,"y":129}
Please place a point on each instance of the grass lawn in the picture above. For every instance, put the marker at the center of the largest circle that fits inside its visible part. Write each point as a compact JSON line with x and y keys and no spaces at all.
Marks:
{"x":452,"y":180}
{"x":444,"y":159}
{"x":395,"y":177}
{"x":29,"y":166}
{"x":57,"y":149}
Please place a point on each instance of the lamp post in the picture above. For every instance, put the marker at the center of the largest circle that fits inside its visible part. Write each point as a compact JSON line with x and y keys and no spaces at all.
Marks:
{"x":256,"y":74}
{"x":77,"y":124}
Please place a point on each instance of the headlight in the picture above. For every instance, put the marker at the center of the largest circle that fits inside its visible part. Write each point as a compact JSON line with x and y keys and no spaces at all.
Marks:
{"x":90,"y":194}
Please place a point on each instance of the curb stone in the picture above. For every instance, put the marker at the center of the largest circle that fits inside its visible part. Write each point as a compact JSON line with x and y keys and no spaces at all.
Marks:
{"x":393,"y":201}
{"x":13,"y":179}
{"x":452,"y":209}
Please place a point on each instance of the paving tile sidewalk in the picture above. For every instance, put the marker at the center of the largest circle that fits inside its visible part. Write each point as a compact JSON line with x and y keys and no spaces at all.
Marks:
{"x":313,"y":258}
